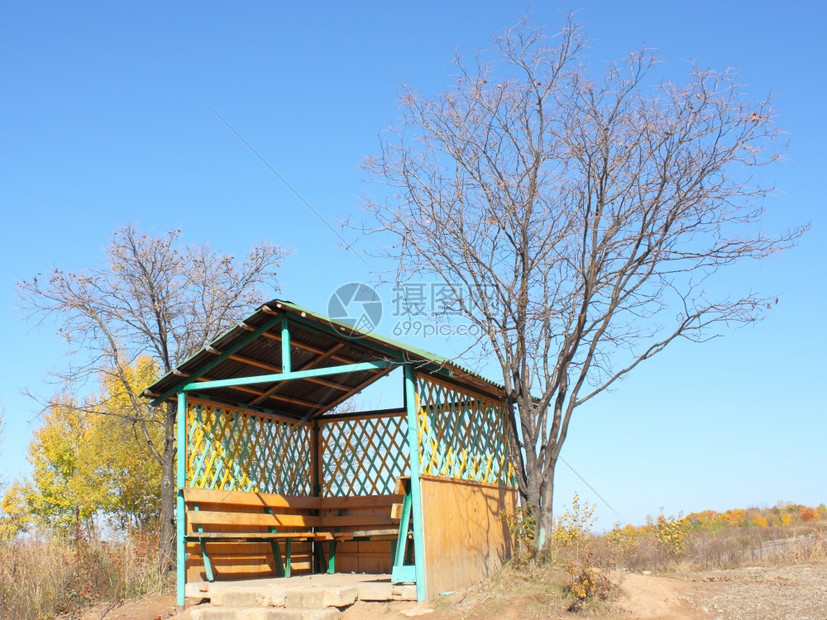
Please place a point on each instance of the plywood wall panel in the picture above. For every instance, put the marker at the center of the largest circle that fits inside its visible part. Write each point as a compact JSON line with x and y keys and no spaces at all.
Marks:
{"x":466,"y":537}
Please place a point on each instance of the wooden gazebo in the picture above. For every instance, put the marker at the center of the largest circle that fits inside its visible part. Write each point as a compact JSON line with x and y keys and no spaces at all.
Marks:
{"x":275,"y":477}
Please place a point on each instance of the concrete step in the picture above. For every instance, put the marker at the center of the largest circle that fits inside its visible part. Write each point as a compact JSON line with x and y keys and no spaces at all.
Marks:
{"x":320,"y":598}
{"x":210,"y":612}
{"x":379,"y":592}
{"x":246,"y":596}
{"x":301,"y":598}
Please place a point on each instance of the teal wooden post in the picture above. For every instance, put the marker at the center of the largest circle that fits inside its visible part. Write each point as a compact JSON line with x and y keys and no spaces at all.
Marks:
{"x":286,"y":364}
{"x":416,"y":496}
{"x":180,"y":555}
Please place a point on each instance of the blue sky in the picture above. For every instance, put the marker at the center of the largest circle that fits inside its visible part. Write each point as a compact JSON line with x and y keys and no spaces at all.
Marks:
{"x":106,"y":120}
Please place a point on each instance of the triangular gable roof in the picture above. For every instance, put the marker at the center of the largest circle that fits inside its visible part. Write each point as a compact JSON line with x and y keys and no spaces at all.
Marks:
{"x":253,"y":348}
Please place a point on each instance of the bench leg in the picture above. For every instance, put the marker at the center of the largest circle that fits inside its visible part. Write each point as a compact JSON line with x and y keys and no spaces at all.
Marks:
{"x":288,"y":552}
{"x":207,"y":563}
{"x":331,"y":557}
{"x":274,"y":547}
{"x":318,"y":557}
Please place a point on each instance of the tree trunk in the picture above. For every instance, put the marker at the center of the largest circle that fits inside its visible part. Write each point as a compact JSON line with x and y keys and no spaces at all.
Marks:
{"x":545,"y":516}
{"x":168,"y":484}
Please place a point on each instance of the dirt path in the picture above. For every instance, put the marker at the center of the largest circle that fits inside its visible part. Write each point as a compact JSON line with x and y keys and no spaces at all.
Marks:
{"x":791,"y":592}
{"x":654,"y":598}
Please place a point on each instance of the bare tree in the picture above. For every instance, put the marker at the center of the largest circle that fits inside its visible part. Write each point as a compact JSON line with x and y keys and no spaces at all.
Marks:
{"x":155,"y":296}
{"x":578,"y":218}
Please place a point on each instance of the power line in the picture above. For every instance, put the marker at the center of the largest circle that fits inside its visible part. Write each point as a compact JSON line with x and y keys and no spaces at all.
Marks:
{"x":291,"y":188}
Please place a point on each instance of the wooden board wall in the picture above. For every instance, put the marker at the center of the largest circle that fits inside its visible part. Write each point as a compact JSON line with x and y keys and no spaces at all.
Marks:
{"x":238,"y":560}
{"x":466,"y":538}
{"x":364,"y":556}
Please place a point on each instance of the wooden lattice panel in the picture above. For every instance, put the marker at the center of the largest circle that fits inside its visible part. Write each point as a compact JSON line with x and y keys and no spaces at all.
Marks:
{"x":462,"y":435}
{"x":239,"y":450}
{"x":363,"y":456}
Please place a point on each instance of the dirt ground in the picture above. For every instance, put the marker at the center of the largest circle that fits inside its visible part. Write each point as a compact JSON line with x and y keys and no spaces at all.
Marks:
{"x":791,"y":592}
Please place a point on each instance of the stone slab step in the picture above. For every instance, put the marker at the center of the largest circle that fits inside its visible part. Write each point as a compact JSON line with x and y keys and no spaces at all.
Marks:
{"x":379,"y":592}
{"x":301,"y":598}
{"x":246,"y":596}
{"x":209,"y":612}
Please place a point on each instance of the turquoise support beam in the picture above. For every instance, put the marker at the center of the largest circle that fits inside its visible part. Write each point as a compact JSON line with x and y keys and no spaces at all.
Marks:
{"x":181,"y":480}
{"x":286,"y":365}
{"x":404,"y":526}
{"x":204,"y":554}
{"x":207,"y":562}
{"x":416,"y":495}
{"x":274,"y":549}
{"x":290,"y":376}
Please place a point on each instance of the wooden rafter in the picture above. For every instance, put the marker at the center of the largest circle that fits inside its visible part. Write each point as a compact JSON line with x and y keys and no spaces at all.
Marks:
{"x":278,"y":369}
{"x":356,"y":389}
{"x":312,"y":363}
{"x":306,"y":347}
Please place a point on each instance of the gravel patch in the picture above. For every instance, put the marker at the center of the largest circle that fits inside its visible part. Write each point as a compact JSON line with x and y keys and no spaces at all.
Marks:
{"x":784,"y":592}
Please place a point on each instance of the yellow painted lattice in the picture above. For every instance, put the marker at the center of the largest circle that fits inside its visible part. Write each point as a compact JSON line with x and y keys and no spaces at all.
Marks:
{"x":363,"y":456}
{"x":239,"y":450}
{"x":462,"y":435}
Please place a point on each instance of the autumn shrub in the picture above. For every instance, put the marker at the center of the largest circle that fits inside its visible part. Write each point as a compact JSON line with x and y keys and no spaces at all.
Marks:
{"x":617,"y":545}
{"x":589,"y":585}
{"x":670,"y":534}
{"x":571,"y":534}
{"x":808,"y":515}
{"x":522,"y":526}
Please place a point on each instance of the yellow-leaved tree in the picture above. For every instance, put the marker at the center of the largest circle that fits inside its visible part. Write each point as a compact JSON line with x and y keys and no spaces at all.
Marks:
{"x":63,"y":494}
{"x":14,"y":512}
{"x":89,"y":459}
{"x":123,"y":462}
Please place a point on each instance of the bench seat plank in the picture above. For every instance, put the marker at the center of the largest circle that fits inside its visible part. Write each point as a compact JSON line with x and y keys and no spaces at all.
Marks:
{"x":373,"y":533}
{"x":244,"y":498}
{"x":359,"y":502}
{"x":356,"y":520}
{"x":251,"y":536}
{"x":212,"y":518}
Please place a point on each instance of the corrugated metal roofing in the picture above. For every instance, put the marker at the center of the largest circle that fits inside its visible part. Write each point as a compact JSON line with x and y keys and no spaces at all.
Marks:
{"x":316,"y":341}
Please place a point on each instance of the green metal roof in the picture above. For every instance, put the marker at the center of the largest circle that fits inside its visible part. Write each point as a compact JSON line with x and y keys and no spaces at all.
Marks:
{"x":248,"y":349}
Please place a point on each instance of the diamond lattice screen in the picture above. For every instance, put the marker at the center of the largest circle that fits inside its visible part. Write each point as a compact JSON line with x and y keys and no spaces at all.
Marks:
{"x":363,"y":456}
{"x":462,"y":435}
{"x":238,"y":450}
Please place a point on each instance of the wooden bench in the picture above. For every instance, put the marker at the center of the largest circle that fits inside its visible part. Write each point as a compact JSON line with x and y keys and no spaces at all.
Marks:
{"x":358,"y":518}
{"x":236,"y":516}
